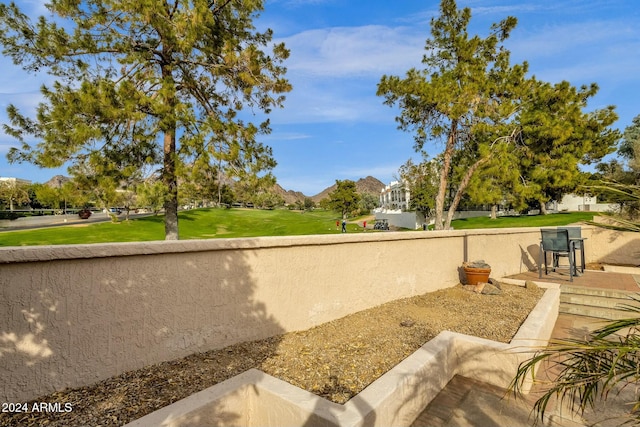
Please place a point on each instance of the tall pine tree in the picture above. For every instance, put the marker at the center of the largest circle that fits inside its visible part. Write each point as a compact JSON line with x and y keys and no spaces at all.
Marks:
{"x":558,"y":136}
{"x":158,"y":77}
{"x":465,"y":95}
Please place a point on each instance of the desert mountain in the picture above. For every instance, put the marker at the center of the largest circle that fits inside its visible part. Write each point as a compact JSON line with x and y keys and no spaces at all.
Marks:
{"x":290,"y":196}
{"x":58,"y":181}
{"x":369,"y":185}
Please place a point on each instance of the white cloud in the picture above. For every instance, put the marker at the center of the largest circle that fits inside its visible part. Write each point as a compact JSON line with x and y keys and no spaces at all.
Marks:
{"x":301,"y":2}
{"x":502,"y":11}
{"x":26,"y":102}
{"x":332,"y":100}
{"x":304,"y":2}
{"x":552,"y":40}
{"x":34,"y":8}
{"x":580,"y":52}
{"x":335,"y":72}
{"x":353,"y":51}
{"x":14,"y":79}
{"x":285,"y":136}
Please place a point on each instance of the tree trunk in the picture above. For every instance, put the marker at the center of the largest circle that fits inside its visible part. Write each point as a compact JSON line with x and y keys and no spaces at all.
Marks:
{"x":444,"y":175}
{"x":169,"y":178}
{"x":170,"y":181}
{"x":543,"y":208}
{"x":219,"y":181}
{"x":461,"y":189}
{"x":494,"y":213}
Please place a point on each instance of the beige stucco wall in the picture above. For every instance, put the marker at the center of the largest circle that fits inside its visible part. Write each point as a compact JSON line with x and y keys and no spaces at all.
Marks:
{"x":73,"y":315}
{"x":612,"y":247}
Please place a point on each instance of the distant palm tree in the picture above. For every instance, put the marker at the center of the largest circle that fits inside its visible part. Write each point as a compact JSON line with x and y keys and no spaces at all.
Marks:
{"x":589,"y":369}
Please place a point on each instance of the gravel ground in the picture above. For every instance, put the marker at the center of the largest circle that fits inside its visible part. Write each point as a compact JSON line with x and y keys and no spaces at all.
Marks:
{"x":335,"y":360}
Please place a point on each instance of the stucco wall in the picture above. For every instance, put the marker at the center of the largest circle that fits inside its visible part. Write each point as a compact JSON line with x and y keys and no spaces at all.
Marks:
{"x":612,"y":247}
{"x":410,"y":220}
{"x":73,"y":315}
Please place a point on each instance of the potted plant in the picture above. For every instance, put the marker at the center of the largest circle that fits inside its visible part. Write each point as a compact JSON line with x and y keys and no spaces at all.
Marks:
{"x":476,"y":272}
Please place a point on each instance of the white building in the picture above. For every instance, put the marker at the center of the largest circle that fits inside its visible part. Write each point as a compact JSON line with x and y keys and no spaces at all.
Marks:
{"x":394,"y":207}
{"x":13,"y":181}
{"x":11,"y":184}
{"x":585,"y":202}
{"x":395,"y":197}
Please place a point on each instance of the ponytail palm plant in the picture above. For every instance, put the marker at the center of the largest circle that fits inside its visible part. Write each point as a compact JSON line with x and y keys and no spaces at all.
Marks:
{"x":605,"y":362}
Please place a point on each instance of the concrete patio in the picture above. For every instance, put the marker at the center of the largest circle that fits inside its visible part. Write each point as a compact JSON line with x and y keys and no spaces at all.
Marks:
{"x":610,"y":280}
{"x":468,"y":402}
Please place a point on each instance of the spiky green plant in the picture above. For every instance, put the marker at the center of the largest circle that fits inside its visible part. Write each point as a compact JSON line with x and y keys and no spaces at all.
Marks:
{"x":606,"y":361}
{"x":626,"y":192}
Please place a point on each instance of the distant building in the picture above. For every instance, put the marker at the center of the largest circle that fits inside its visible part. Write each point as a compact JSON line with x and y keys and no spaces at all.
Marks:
{"x":585,"y":202}
{"x":14,"y":181}
{"x":11,"y":184}
{"x":395,"y":197}
{"x":395,"y":207}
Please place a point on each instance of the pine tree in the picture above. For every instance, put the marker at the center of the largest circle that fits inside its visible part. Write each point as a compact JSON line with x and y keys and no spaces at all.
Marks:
{"x":499,"y":181}
{"x":558,"y":136}
{"x":138,"y":80}
{"x":344,"y":198}
{"x":469,"y":96}
{"x":465,"y":95}
{"x":629,"y":148}
{"x":422,"y":182}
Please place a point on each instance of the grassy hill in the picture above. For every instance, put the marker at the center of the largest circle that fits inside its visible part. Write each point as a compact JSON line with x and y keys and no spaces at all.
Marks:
{"x":230,"y":223}
{"x":553,"y":220}
{"x":194,"y":224}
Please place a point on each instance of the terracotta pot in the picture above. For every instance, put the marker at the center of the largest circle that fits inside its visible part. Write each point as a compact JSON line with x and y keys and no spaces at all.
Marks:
{"x":477,"y":275}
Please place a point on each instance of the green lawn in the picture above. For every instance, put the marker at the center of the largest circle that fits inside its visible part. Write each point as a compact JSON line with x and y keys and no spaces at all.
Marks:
{"x":227,"y":223}
{"x":552,"y":220}
{"x":194,"y":224}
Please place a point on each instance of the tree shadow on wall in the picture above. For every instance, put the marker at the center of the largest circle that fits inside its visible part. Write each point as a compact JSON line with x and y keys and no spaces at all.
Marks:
{"x":116,"y":338}
{"x":627,"y":254}
{"x":469,"y":399}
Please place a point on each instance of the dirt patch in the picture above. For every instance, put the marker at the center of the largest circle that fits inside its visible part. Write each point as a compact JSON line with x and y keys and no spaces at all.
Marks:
{"x":594,"y":266}
{"x":335,"y":360}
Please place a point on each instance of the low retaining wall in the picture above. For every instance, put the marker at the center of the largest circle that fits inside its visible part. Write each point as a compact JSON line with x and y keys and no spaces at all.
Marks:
{"x":395,"y":399}
{"x":74,"y":315}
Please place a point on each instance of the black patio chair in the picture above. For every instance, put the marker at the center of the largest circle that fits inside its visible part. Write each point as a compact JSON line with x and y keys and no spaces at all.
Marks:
{"x":575,"y":237}
{"x":556,"y":242}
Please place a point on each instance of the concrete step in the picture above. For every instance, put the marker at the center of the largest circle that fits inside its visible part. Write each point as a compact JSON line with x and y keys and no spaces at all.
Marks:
{"x":607,"y":293}
{"x":600,"y":313}
{"x":596,"y":302}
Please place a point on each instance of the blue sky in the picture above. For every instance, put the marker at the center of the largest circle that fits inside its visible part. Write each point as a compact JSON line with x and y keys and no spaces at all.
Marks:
{"x":334,"y":126}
